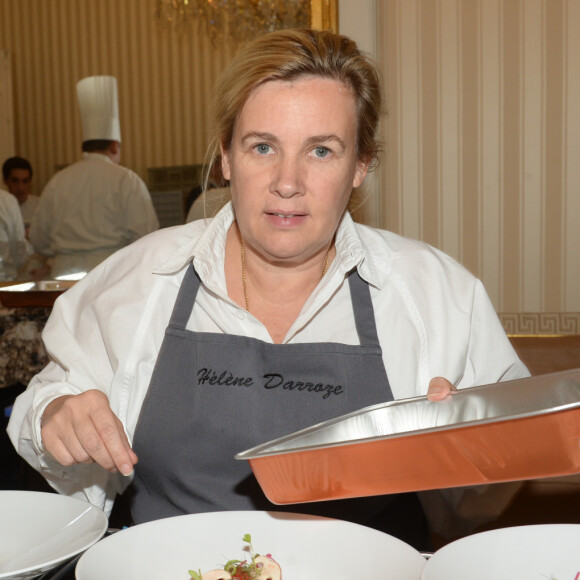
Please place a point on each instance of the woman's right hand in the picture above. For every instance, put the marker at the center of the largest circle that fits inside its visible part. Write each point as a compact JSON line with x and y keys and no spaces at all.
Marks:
{"x":439,"y":389}
{"x":83,"y":429}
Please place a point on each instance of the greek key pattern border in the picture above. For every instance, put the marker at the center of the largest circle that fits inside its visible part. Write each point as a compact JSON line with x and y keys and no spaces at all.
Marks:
{"x":541,"y":323}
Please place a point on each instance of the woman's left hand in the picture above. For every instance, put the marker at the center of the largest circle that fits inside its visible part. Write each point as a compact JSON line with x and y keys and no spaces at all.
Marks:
{"x":439,"y":389}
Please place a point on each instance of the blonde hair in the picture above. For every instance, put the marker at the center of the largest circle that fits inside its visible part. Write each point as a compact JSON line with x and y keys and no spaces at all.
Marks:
{"x":287,"y":55}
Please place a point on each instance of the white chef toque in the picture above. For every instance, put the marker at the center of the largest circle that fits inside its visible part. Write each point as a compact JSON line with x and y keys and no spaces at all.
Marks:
{"x":99,"y":107}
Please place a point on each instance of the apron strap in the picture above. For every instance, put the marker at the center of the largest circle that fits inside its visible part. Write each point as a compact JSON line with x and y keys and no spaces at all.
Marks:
{"x":364,"y":314}
{"x":362,"y":305}
{"x":185,"y":299}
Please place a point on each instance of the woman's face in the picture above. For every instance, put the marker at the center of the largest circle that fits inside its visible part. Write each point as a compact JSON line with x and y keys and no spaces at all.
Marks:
{"x":292,"y":166}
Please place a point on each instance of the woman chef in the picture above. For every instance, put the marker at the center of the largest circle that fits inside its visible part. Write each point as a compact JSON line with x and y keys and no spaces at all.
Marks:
{"x":200,"y":341}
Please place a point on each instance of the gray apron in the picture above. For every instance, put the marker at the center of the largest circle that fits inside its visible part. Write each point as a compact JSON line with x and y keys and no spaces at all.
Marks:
{"x":213,"y":395}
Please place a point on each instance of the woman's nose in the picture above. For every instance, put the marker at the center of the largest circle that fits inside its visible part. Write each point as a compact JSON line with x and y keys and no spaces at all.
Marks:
{"x":288,"y":178}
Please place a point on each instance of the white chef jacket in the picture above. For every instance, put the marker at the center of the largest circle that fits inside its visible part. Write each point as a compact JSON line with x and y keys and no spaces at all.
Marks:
{"x":28,"y":209}
{"x":433,"y":319}
{"x":88,"y":211}
{"x":14,"y":249}
{"x":208,"y":203}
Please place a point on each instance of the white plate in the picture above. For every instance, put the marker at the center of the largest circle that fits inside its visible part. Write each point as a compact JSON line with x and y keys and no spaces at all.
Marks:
{"x":541,"y":552}
{"x":306,"y":547}
{"x":38,"y":531}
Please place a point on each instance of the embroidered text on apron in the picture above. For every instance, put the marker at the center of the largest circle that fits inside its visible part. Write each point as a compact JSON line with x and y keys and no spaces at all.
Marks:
{"x":213,"y":395}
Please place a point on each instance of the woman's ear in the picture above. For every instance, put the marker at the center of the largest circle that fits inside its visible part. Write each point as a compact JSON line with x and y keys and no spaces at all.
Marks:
{"x":362,"y":168}
{"x":226,"y":169}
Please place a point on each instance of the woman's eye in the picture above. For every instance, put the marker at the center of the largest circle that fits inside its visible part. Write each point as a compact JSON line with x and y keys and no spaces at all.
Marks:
{"x":263,"y":148}
{"x":321,"y":152}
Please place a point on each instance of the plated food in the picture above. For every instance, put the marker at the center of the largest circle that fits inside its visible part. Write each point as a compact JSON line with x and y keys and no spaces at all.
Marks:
{"x":255,"y":568}
{"x":305,"y":547}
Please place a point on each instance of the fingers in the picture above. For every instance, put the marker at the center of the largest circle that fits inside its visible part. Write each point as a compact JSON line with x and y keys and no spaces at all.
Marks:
{"x":83,"y":429}
{"x":103,"y":439}
{"x":439,"y":389}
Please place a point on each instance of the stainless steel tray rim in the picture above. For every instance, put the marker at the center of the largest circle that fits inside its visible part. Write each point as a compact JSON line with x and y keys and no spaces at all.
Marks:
{"x":273,"y":447}
{"x":262,"y":449}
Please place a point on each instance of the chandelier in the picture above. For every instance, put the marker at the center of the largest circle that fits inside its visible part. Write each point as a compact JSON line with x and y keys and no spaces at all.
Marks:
{"x":240,"y":20}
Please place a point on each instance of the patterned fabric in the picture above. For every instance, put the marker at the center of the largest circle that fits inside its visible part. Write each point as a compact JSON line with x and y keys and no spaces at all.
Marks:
{"x":22,"y":353}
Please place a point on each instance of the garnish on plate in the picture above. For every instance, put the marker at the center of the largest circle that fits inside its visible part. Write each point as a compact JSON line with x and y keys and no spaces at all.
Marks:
{"x":257,"y":568}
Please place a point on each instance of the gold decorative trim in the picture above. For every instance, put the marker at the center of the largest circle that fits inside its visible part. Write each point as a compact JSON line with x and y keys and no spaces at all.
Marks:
{"x":324,"y":15}
{"x":540,"y":323}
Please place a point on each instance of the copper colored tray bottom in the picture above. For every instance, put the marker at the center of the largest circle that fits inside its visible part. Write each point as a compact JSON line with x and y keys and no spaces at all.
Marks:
{"x":471,"y":455}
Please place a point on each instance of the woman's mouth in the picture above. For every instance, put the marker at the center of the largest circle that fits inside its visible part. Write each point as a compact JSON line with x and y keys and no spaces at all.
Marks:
{"x":286,"y":219}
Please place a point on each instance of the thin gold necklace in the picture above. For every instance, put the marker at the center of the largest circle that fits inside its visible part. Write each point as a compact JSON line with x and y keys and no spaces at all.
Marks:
{"x":244,"y":283}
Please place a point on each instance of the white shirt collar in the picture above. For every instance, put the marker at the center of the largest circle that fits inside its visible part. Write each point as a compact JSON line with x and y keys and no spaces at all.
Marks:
{"x":100,"y":156}
{"x":352,"y":251}
{"x":209,"y":248}
{"x":205,"y":249}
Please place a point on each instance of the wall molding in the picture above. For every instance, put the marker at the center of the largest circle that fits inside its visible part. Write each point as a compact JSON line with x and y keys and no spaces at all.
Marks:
{"x":541,"y":323}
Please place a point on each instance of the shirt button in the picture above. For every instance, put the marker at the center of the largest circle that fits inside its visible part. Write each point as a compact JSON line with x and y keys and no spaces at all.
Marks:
{"x":241,"y":315}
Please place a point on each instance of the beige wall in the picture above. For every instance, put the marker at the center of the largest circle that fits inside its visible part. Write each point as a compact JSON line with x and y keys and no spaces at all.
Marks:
{"x":6,"y":107}
{"x":358,"y":20}
{"x":164,"y":80}
{"x":483,"y":145}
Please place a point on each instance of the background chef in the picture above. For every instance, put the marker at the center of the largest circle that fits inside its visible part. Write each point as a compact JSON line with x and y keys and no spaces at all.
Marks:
{"x":14,"y":248}
{"x":94,"y":207}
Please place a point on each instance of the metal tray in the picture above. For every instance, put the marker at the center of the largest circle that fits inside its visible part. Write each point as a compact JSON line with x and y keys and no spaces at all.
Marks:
{"x":515,"y":430}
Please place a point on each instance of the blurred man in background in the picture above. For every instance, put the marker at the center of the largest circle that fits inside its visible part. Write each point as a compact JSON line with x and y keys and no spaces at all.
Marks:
{"x":17,"y":176}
